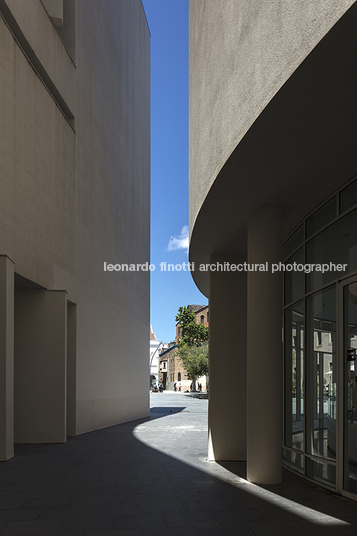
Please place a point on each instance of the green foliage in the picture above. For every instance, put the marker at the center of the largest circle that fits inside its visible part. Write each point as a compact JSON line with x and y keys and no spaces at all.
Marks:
{"x":192,"y":334}
{"x":185,"y":316}
{"x":194,"y":359}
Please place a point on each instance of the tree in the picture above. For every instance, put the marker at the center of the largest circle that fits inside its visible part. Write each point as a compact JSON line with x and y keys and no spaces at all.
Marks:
{"x":192,"y":334}
{"x":195,"y":360}
{"x":193,"y":344}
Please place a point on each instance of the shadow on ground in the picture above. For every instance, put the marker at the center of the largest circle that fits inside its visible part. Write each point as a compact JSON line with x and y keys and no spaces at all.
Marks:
{"x":127,"y":480}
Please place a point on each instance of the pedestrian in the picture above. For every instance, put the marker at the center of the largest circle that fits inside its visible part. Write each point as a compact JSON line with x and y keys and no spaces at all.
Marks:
{"x":175,"y":387}
{"x":179,"y":385}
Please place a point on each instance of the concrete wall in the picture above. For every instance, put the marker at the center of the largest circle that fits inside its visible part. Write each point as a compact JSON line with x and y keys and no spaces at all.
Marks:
{"x":241,"y":53}
{"x":112,"y":210}
{"x":6,"y":358}
{"x":40,"y":366}
{"x":273,"y":124}
{"x":272,"y":115}
{"x":75,"y":158}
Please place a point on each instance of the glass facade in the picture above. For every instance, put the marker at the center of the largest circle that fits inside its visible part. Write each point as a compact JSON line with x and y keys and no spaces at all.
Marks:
{"x":336,"y":244}
{"x":350,"y":395}
{"x":294,"y":377}
{"x":320,"y":346}
{"x":294,"y":281}
{"x":295,"y":240}
{"x":321,"y":373}
{"x":321,"y":217}
{"x":348,"y":197}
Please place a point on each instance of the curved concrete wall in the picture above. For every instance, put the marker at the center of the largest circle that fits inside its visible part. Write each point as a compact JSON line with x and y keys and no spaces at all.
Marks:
{"x":273,"y":124}
{"x":241,"y":53}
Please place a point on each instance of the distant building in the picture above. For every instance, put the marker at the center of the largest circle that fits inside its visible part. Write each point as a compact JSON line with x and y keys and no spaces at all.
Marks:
{"x":167,"y":364}
{"x":175,"y":371}
{"x":201,"y":313}
{"x":163,"y":369}
{"x":154,"y":355}
{"x":155,"y":349}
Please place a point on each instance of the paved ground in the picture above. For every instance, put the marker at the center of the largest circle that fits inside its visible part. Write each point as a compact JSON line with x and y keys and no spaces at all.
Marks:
{"x":152,"y":477}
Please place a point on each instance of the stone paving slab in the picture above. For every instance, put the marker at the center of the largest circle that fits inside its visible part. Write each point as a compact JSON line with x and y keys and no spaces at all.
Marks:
{"x":152,"y":477}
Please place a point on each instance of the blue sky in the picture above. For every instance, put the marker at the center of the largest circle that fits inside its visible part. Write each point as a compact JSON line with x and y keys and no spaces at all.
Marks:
{"x":168,"y":23}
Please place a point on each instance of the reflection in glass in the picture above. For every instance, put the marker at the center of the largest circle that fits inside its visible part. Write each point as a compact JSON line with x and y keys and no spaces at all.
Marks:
{"x":294,"y":280}
{"x":295,"y":240}
{"x":321,"y":217}
{"x":321,"y":374}
{"x":321,"y":471}
{"x":337,"y":245}
{"x":294,"y":460}
{"x":294,"y":384}
{"x":350,"y":402}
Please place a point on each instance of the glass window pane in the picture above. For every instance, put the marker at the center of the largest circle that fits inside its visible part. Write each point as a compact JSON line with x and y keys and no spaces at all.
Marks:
{"x":348,"y":197}
{"x":294,"y":280}
{"x":295,"y":240}
{"x":294,"y":376}
{"x":321,"y":217}
{"x":294,"y":460}
{"x":321,"y":471}
{"x":336,"y":245}
{"x":320,"y":397}
{"x":350,"y":388}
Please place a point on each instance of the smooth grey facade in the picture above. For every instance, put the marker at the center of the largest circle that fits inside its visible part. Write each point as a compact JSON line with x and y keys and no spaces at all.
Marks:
{"x":272,"y":138}
{"x":75,"y":173}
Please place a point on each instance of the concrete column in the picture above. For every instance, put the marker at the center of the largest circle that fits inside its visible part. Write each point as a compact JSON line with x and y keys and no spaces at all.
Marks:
{"x":40,"y":366}
{"x":264,"y":349}
{"x":227,"y":364}
{"x":6,"y":358}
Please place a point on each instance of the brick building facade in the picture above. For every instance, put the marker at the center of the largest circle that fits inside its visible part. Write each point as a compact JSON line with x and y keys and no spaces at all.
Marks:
{"x":171,"y":368}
